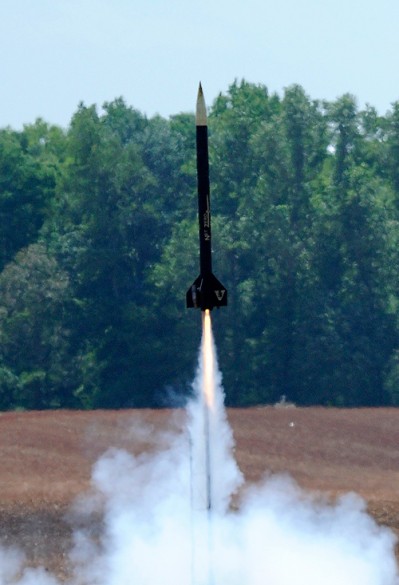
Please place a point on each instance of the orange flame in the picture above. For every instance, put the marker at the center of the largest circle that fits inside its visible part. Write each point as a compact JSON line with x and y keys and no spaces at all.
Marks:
{"x":208,"y":360}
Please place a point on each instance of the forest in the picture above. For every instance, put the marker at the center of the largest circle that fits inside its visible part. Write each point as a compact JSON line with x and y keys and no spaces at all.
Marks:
{"x":99,"y":243}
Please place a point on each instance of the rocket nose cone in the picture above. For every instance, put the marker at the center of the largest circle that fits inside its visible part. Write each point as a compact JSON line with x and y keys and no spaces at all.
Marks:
{"x":200,"y":114}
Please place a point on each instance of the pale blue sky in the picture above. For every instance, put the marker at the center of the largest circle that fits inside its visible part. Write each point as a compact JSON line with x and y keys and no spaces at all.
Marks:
{"x":56,"y":53}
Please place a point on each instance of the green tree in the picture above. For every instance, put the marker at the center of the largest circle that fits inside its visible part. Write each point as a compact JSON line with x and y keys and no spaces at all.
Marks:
{"x":27,"y":187}
{"x":100,"y":243}
{"x":37,"y":370}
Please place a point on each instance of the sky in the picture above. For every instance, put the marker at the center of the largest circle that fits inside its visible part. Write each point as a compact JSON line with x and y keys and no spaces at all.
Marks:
{"x":55,"y":54}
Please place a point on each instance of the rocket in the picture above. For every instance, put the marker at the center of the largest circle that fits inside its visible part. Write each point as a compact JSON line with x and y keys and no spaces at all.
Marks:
{"x":206,"y":291}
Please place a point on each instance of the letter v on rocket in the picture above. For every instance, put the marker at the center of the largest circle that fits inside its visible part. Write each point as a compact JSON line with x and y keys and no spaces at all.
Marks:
{"x":206,"y":291}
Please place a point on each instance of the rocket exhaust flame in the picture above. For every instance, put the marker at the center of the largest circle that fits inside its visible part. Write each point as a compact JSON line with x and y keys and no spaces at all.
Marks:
{"x":208,"y":360}
{"x":216,"y":473}
{"x":208,"y":397}
{"x":210,"y":454}
{"x":208,"y":356}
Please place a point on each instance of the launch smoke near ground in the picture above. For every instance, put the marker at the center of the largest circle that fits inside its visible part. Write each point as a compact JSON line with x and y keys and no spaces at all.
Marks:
{"x":157,"y":528}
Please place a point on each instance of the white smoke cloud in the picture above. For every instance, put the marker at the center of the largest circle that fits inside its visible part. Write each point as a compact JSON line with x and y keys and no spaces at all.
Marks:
{"x":13,"y":570}
{"x":11,"y":561}
{"x":154,"y":527}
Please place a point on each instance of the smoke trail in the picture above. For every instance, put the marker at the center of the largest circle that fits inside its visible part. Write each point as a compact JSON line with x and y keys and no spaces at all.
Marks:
{"x":215,"y":473}
{"x":155,"y":528}
{"x":215,"y":476}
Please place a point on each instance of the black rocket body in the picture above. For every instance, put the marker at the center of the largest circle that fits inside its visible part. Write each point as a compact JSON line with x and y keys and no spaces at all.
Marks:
{"x":206,"y":291}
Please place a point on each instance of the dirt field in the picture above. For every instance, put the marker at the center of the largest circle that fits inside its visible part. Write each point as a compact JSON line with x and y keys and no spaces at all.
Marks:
{"x":46,"y":460}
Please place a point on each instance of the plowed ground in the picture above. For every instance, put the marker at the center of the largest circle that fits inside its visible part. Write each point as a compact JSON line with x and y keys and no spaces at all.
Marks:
{"x":46,"y":460}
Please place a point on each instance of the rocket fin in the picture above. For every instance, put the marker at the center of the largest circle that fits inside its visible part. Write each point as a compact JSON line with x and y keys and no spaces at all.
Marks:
{"x":206,"y":292}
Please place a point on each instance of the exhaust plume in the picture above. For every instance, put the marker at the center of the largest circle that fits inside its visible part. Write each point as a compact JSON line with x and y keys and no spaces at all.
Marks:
{"x":168,"y":516}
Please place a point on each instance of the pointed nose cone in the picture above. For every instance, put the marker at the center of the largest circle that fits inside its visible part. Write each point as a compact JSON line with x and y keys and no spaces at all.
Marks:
{"x":200,"y":114}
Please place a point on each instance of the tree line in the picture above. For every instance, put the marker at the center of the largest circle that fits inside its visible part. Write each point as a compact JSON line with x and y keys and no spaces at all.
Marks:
{"x":99,"y":243}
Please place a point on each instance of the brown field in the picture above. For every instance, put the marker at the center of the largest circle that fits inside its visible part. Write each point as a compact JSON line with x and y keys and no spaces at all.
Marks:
{"x":46,"y":460}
